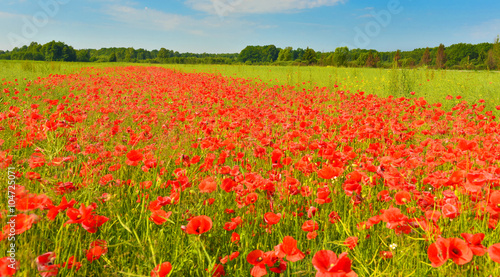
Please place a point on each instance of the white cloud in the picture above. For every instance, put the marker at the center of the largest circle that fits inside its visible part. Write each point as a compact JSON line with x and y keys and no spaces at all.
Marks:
{"x":151,"y":19}
{"x":225,"y":7}
{"x":145,"y":18}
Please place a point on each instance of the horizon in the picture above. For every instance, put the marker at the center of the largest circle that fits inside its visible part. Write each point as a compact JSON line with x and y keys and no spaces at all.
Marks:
{"x":228,"y":26}
{"x":278,"y":47}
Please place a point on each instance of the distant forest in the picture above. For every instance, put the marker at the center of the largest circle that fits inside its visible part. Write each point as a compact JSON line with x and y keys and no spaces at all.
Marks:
{"x":457,"y":56}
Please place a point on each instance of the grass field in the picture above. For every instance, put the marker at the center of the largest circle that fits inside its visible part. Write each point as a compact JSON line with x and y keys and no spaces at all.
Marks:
{"x":124,"y":170}
{"x":433,"y":85}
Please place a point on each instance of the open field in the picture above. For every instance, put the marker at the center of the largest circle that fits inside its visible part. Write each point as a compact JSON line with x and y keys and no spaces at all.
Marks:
{"x":433,"y":85}
{"x":282,"y":171}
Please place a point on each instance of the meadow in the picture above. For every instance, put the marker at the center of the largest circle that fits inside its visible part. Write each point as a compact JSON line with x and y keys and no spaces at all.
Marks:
{"x":124,"y":170}
{"x":434,"y":85}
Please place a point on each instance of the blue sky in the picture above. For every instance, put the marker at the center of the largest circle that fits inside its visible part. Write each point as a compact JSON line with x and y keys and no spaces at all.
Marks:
{"x":227,"y":26}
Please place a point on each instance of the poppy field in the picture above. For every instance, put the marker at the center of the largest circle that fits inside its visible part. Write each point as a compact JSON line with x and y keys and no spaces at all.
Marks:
{"x":150,"y":171}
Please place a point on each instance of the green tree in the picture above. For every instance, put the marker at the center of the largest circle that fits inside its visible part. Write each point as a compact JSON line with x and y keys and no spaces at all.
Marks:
{"x":68,"y":53}
{"x":340,"y":56}
{"x":298,"y":53}
{"x":269,"y":53}
{"x":51,"y":51}
{"x":310,"y":56}
{"x":285,"y":54}
{"x":83,"y":55}
{"x":130,"y":54}
{"x":112,"y":57}
{"x":163,"y":54}
{"x":250,"y":54}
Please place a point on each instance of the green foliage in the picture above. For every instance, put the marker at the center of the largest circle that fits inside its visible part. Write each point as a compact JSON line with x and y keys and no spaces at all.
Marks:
{"x":112,"y":58}
{"x":341,"y":56}
{"x":285,"y":54}
{"x":310,"y":56}
{"x":456,"y":56}
{"x":259,"y":54}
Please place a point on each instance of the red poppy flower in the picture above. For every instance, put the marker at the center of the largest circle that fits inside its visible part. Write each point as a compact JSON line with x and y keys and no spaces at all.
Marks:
{"x":386,"y":254}
{"x":272,"y":218}
{"x":33,"y":201}
{"x":433,"y":215}
{"x":289,"y":250}
{"x":92,"y":223}
{"x":218,"y":270}
{"x":7,"y":268}
{"x":333,"y":217}
{"x":450,"y":211}
{"x":224,"y":259}
{"x":134,"y":157}
{"x":329,"y":172}
{"x":474,"y":242}
{"x":160,"y":216}
{"x":494,"y":252}
{"x":256,"y":258}
{"x":199,"y":225}
{"x":311,"y":211}
{"x":260,"y":260}
{"x":95,"y":253}
{"x":234,"y":255}
{"x":393,"y":217}
{"x":159,"y":202}
{"x":54,"y":211}
{"x":494,"y":203}
{"x":229,"y":226}
{"x":251,"y":198}
{"x":384,"y":196}
{"x":438,"y":252}
{"x":72,"y":263}
{"x":208,"y":185}
{"x":235,"y":237}
{"x":459,"y":251}
{"x":161,"y":270}
{"x":328,"y":264}
{"x":310,"y":225}
{"x":33,"y":175}
{"x":402,"y":197}
{"x":312,"y":235}
{"x":45,"y":264}
{"x":79,"y":215}
{"x":100,"y":242}
{"x":228,"y":184}
{"x":21,"y":223}
{"x":351,"y":242}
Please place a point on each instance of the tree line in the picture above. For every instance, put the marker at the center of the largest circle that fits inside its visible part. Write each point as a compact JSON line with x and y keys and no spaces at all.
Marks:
{"x":457,"y":56}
